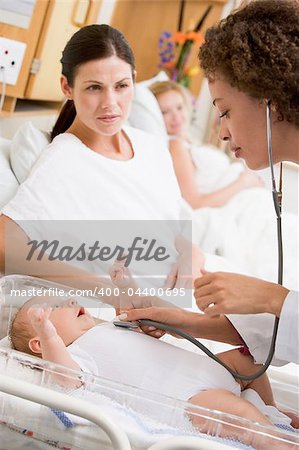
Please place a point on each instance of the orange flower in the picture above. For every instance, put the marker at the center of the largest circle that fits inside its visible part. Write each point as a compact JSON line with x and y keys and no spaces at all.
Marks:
{"x":195,"y":37}
{"x":169,"y":65}
{"x":179,"y":37}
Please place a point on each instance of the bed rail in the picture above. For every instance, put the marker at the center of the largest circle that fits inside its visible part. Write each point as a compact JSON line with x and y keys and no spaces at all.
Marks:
{"x":78,"y":407}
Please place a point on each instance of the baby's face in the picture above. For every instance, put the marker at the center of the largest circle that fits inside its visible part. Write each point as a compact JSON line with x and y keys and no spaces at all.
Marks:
{"x":69,"y":318}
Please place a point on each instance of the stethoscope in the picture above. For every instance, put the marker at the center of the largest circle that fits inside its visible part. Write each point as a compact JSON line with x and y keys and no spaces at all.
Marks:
{"x":277,"y":198}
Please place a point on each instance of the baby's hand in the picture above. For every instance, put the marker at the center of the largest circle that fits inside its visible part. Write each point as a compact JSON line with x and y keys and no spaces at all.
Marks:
{"x":39,"y":319}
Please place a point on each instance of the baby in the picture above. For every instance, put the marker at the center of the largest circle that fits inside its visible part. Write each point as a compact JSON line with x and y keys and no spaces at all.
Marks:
{"x":68,"y":335}
{"x":65,"y":333}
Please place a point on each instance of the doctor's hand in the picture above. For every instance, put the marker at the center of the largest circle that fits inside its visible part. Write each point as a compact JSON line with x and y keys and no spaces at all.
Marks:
{"x":179,"y":318}
{"x":229,"y":293}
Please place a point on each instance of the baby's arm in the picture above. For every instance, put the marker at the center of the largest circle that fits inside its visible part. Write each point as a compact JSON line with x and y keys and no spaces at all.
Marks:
{"x":186,"y":175}
{"x":51,"y":345}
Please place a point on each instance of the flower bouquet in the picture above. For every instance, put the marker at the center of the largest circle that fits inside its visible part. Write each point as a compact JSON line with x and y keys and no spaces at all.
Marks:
{"x":175,"y":49}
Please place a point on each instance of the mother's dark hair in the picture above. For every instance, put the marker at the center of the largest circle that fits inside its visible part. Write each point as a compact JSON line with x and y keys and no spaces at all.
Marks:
{"x":256,"y":49}
{"x":89,"y":43}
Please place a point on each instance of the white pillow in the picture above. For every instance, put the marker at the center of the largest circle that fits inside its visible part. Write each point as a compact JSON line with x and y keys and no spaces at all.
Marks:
{"x":26,"y":146}
{"x":145,"y":113}
{"x":8,"y":182}
{"x":161,"y":76}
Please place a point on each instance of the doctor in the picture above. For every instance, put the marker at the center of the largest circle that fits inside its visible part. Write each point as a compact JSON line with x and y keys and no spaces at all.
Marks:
{"x":251,"y":57}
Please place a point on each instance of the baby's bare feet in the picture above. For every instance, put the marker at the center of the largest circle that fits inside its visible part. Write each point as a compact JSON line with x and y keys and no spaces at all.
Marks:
{"x":121,"y":276}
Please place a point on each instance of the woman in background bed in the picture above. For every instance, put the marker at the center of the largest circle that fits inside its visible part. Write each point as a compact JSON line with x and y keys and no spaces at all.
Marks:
{"x":233,"y":211}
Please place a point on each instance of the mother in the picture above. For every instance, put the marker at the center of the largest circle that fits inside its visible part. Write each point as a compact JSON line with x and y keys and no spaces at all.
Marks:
{"x":95,"y":167}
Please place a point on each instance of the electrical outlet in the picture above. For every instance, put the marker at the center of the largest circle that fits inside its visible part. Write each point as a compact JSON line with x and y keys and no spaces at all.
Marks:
{"x":11,"y":58}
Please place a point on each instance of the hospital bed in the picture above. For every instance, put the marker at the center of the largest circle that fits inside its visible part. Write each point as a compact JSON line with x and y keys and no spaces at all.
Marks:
{"x":37,"y":413}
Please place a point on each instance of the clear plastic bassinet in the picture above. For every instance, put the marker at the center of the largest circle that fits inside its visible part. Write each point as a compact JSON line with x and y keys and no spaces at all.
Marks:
{"x":37,"y":412}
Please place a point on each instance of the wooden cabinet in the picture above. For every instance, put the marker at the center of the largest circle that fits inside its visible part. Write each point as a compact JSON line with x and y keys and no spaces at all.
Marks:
{"x":52,"y":23}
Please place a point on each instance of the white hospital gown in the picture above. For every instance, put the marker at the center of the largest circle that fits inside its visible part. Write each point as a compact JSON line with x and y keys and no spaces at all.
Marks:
{"x":71,"y":183}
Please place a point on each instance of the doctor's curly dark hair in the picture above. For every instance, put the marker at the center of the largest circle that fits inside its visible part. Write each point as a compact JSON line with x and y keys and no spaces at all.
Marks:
{"x":256,"y":49}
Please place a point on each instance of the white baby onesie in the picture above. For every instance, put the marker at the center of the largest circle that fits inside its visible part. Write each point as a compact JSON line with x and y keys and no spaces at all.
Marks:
{"x":127,"y":357}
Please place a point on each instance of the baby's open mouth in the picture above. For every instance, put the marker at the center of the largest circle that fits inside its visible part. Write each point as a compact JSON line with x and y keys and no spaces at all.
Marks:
{"x":81,"y":311}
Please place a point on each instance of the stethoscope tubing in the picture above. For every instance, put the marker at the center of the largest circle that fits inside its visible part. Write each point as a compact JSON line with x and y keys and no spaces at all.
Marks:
{"x":277,"y":197}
